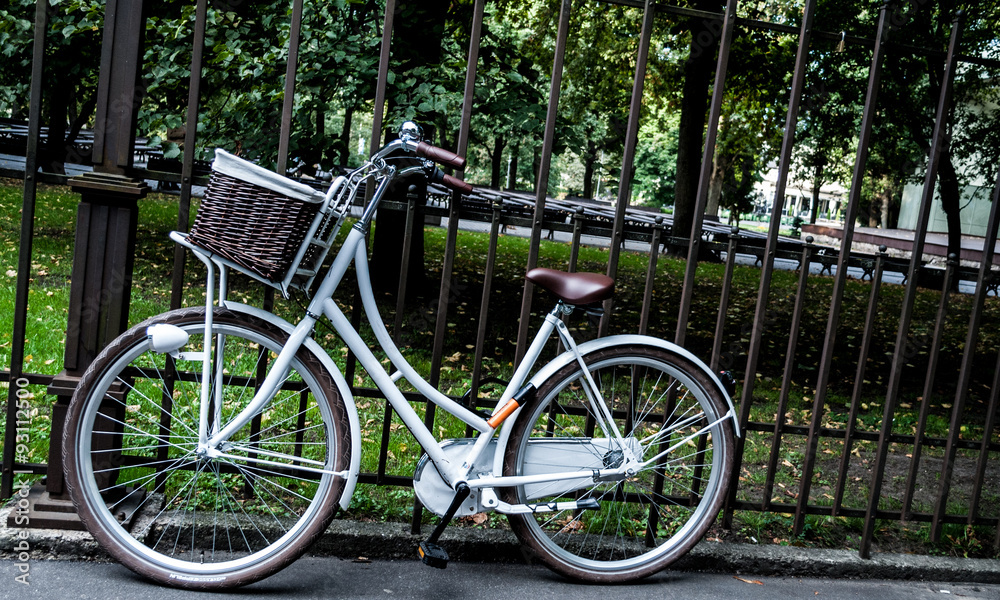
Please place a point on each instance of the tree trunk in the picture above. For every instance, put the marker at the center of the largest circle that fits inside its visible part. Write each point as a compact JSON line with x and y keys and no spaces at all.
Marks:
{"x":886,"y":203}
{"x":817,"y":184}
{"x":951,"y":197}
{"x":344,"y":144}
{"x":387,"y":242}
{"x":54,"y":156}
{"x":536,"y":166}
{"x":496,"y":162}
{"x":416,"y":43}
{"x":875,"y":209}
{"x":512,"y":168}
{"x":698,"y":71}
{"x":715,"y":187}
{"x":589,"y":160}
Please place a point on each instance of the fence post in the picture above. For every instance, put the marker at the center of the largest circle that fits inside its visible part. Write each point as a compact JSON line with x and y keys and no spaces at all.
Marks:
{"x":105,"y":231}
{"x":628,"y":156}
{"x":786,"y":383}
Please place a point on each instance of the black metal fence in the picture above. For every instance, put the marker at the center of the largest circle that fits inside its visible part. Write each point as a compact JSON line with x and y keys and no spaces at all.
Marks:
{"x":815,"y":442}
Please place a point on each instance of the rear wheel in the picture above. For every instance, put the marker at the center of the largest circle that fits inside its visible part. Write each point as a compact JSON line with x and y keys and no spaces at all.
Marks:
{"x":668,"y":412}
{"x":187,"y":520}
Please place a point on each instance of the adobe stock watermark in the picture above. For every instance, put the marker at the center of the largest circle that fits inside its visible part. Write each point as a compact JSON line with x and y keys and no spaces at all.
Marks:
{"x":22,"y":505}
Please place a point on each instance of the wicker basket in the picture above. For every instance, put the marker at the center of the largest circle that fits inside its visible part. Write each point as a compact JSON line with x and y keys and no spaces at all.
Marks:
{"x":253,"y":217}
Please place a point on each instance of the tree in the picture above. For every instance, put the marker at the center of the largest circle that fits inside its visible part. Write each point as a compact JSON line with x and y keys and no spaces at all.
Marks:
{"x":73,"y":48}
{"x":911,"y":86}
{"x":697,"y":71}
{"x":750,"y":130}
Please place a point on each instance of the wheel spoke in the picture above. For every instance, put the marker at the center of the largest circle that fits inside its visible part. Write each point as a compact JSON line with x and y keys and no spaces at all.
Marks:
{"x":134,"y":450}
{"x":651,"y":517}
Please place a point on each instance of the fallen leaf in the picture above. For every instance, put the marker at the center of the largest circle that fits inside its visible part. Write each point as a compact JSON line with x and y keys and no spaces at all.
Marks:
{"x":754,"y":581}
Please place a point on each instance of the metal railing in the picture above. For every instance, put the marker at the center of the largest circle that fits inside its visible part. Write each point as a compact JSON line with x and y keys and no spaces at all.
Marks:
{"x":812,"y":446}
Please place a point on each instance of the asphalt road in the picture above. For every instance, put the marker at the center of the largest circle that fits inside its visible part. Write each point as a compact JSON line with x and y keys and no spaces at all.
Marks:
{"x":314,"y":577}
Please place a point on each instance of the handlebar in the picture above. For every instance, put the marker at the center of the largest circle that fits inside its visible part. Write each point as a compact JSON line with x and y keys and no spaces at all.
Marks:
{"x":433,"y":153}
{"x":452,"y":182}
{"x":440,"y":155}
{"x":382,"y":169}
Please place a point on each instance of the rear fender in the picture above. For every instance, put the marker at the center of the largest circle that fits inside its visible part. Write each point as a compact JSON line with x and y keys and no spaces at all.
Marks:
{"x":600,"y":344}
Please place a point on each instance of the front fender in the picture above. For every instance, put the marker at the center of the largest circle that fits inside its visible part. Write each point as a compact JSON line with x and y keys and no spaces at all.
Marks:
{"x":338,"y":378}
{"x":599,"y":344}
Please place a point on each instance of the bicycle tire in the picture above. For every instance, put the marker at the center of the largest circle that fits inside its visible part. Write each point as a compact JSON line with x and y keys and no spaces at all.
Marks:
{"x":195,"y":522}
{"x":646,"y":521}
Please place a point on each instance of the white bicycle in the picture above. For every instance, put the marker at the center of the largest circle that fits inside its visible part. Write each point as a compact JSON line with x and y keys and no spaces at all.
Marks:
{"x":209,"y":447}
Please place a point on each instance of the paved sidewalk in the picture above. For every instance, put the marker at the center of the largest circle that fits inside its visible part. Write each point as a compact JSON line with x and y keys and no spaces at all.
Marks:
{"x":324,"y":577}
{"x":393,"y":541}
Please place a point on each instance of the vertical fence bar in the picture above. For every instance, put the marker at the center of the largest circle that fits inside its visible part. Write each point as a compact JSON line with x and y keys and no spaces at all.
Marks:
{"x":288,"y":102}
{"x":404,"y":268}
{"x":984,"y":448}
{"x":925,"y":403}
{"x":701,"y":199}
{"x":574,"y":247}
{"x":767,"y":269}
{"x":190,"y":147}
{"x":378,"y":114}
{"x":859,"y":380}
{"x":484,"y":305}
{"x":786,"y":382}
{"x":647,"y":295}
{"x":541,"y":187}
{"x":184,"y":207}
{"x":899,"y":355}
{"x":25,"y":245}
{"x":445,"y":294}
{"x":447,"y":267}
{"x":961,"y":394}
{"x":374,"y":142}
{"x":628,"y":155}
{"x":840,"y":278}
{"x":972,"y":338}
{"x":727,"y":286}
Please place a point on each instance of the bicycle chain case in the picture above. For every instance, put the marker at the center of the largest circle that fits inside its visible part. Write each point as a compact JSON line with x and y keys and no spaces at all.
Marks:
{"x":546,"y":455}
{"x":435,"y":494}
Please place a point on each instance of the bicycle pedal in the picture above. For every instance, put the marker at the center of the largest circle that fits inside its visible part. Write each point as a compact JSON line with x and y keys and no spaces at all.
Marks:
{"x":433,"y":555}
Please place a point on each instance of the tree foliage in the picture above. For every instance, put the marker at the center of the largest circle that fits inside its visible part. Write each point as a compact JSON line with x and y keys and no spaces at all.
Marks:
{"x":242,"y":89}
{"x":908,"y":96}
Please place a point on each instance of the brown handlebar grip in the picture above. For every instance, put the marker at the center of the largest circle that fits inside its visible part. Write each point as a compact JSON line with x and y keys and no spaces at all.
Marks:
{"x":440,"y":155}
{"x":456,"y":184}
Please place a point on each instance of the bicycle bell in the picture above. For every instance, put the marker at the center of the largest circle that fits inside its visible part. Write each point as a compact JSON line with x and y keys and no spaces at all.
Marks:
{"x":410,"y":132}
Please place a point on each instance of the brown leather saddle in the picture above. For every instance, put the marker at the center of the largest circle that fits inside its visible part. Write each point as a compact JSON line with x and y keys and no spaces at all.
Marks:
{"x":573,"y":288}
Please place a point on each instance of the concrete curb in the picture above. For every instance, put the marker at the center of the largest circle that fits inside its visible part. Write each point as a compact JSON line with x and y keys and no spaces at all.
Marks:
{"x":354,"y":539}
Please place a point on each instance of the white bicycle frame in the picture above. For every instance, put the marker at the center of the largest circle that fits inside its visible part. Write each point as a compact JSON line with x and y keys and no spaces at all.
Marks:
{"x":213,"y":437}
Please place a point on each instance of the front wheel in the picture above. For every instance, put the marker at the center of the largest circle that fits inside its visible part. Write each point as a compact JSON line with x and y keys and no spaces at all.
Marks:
{"x":184,"y":518}
{"x":668,"y":413}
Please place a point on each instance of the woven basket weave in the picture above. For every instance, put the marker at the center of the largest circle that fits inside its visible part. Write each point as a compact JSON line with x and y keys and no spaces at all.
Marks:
{"x":257,"y":228}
